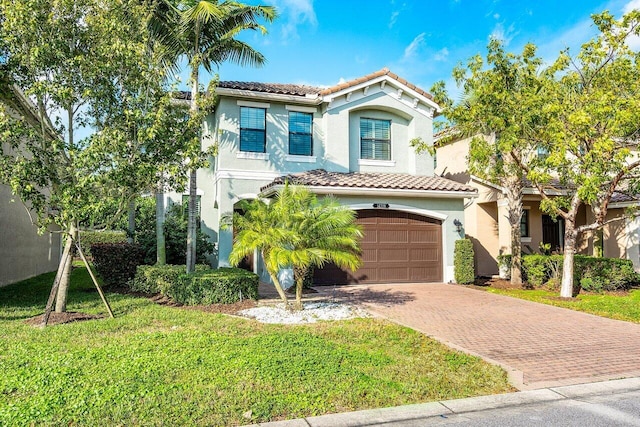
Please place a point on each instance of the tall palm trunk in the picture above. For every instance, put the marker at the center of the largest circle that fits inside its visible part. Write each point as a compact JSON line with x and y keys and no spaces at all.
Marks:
{"x":131,"y":222}
{"x":193,"y":195}
{"x":161,"y":248}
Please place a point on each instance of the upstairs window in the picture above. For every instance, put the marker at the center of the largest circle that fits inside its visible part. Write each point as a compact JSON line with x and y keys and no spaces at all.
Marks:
{"x":542,"y":153}
{"x":375,"y":139}
{"x":300,"y":133}
{"x":253,"y":129}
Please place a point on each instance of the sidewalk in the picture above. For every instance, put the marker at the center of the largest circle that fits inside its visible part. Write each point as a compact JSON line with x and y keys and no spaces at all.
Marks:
{"x":422,"y":414}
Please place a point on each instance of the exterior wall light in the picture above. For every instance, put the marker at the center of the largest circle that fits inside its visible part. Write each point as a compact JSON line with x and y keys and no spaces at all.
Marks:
{"x":458,"y":225}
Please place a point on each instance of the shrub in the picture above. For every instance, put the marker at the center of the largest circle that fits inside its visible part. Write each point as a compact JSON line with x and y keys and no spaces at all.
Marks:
{"x":463,"y":261}
{"x":175,"y":234}
{"x":151,"y":279}
{"x":592,"y":274}
{"x":221,"y":286}
{"x":116,"y":262}
{"x":89,"y":238}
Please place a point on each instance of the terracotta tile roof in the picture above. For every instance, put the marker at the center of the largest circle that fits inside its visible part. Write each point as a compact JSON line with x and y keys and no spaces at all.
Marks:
{"x":619,"y":197}
{"x":390,"y":181}
{"x":278,"y":88}
{"x":384,"y":72}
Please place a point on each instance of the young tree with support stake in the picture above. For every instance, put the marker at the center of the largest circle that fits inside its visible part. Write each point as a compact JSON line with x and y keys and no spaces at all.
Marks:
{"x":85,"y":61}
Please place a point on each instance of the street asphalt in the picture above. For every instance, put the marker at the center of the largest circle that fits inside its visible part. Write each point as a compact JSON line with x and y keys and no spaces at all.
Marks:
{"x":607,"y":403}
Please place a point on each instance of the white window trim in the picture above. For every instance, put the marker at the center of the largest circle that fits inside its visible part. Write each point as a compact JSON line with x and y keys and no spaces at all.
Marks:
{"x":301,"y":159}
{"x":301,"y":108}
{"x":372,"y":162}
{"x":252,"y":155}
{"x":243,"y":103}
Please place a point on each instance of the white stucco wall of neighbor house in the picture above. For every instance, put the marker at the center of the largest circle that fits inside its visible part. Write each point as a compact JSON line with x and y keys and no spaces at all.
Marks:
{"x":23,"y":252}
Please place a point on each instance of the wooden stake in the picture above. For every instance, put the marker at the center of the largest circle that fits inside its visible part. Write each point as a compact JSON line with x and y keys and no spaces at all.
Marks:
{"x":95,"y":281}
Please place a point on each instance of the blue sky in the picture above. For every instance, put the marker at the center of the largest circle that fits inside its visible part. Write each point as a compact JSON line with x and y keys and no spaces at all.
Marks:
{"x":323,"y":42}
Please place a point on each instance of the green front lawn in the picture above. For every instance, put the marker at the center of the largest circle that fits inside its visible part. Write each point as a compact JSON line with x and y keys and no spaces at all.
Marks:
{"x":159,"y":365}
{"x":615,"y":306}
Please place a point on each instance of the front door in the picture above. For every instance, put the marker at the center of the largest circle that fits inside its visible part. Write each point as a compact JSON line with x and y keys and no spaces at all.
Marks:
{"x":553,"y":232}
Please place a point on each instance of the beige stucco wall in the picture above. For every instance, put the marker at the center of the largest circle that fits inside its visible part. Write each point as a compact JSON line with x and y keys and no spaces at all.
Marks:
{"x":23,"y":253}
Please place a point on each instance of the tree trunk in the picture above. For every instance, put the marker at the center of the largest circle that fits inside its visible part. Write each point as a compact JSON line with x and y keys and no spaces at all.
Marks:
{"x":131,"y":225}
{"x":161,"y":248}
{"x":299,"y":274}
{"x":65,"y":277}
{"x":193,"y":195}
{"x":570,"y":239}
{"x":276,"y":283}
{"x":513,"y":194}
{"x":191,"y":223}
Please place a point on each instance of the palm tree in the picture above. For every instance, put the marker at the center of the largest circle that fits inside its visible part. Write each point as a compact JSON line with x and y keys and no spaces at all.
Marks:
{"x":204,"y":31}
{"x":296,"y":230}
{"x":326,"y":231}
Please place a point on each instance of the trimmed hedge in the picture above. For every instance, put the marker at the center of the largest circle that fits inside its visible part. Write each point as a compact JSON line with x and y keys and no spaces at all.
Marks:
{"x":464,"y":271}
{"x":89,"y":238}
{"x":116,"y":263}
{"x":204,"y":286}
{"x":592,"y":274}
{"x":151,"y":279}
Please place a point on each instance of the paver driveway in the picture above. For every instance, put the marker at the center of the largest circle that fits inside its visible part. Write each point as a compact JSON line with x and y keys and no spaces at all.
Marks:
{"x":540,"y":345}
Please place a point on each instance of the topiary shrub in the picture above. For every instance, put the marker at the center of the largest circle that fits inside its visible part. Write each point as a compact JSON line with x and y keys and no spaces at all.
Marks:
{"x":89,"y":238}
{"x":151,"y":279}
{"x":463,"y":266}
{"x":116,"y":263}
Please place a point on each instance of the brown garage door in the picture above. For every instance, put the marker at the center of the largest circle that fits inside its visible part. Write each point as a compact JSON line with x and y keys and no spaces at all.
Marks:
{"x":398,"y":247}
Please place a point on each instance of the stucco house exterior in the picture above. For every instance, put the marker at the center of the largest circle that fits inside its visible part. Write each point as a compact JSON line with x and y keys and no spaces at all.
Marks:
{"x":23,"y":252}
{"x":352,"y":141}
{"x":486,"y":224}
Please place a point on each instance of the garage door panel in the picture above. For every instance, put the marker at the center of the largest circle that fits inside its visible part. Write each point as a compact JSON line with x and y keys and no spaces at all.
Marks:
{"x":397,"y":247}
{"x":369,"y":255}
{"x":393,"y":236}
{"x":390,"y":255}
{"x":424,"y":236}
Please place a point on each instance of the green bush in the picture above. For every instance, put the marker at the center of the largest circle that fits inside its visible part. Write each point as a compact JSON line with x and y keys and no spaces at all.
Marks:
{"x":150,"y":279}
{"x":205,"y":286}
{"x":464,"y":271}
{"x":116,"y":263}
{"x":592,"y":274}
{"x":89,"y":238}
{"x":221,"y":286}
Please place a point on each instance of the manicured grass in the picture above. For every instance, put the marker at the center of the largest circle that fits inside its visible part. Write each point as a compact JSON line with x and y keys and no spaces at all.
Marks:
{"x":614,"y":306}
{"x":158,"y":365}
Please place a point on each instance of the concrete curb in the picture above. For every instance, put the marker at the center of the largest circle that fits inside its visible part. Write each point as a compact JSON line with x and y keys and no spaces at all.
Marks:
{"x":445,"y":408}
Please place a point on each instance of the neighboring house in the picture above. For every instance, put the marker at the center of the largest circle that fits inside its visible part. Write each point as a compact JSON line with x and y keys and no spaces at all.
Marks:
{"x":486,"y":223}
{"x":352,"y":141}
{"x":23,"y":252}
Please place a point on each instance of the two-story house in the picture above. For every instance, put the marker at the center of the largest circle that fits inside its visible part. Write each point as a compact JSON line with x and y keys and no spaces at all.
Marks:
{"x":486,"y":222}
{"x":352,"y":141}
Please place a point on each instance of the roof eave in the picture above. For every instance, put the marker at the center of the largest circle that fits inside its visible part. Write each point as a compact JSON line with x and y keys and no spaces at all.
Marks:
{"x":379,"y":192}
{"x":250,"y":94}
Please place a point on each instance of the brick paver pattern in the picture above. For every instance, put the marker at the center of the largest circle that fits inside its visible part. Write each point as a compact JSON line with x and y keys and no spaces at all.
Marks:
{"x":549,"y":345}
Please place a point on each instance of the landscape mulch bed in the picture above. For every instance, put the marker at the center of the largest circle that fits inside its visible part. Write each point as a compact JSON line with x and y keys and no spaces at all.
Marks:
{"x":60,"y":318}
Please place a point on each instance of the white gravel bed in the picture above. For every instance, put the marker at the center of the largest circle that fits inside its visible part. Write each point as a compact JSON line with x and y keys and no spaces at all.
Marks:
{"x":313,"y":312}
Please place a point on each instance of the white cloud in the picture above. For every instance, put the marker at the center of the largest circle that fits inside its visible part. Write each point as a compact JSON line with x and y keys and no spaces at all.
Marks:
{"x":496,"y":16}
{"x":441,"y":55}
{"x":505,"y":35}
{"x":293,"y":14}
{"x":632,"y":5}
{"x":414,"y":46}
{"x":395,"y":13}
